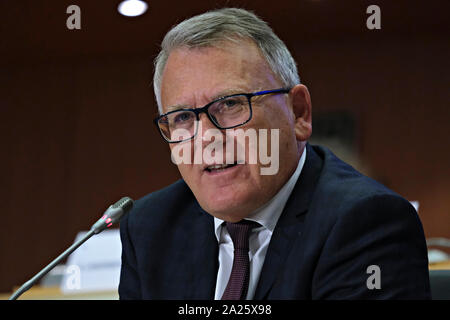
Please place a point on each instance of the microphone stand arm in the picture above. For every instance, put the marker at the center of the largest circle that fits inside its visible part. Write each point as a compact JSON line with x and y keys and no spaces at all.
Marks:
{"x":27,"y":285}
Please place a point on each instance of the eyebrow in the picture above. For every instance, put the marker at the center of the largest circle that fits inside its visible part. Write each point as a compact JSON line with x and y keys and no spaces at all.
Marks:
{"x":228,"y":92}
{"x":176,"y":107}
{"x":221,"y":94}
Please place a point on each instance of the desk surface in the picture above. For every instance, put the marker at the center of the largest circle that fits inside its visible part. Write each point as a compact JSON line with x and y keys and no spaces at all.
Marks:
{"x":54,"y":293}
{"x":444,"y":265}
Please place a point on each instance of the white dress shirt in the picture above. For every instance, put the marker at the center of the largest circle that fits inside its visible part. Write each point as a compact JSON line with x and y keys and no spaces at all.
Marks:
{"x":259,"y":239}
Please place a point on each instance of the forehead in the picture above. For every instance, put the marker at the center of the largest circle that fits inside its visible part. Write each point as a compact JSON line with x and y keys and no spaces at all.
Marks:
{"x":194,"y":75}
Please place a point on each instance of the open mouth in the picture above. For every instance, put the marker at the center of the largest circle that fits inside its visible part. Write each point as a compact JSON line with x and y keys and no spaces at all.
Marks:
{"x":220,"y":167}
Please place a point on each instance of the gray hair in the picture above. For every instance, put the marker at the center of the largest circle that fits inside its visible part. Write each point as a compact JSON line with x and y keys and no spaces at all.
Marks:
{"x":229,"y":24}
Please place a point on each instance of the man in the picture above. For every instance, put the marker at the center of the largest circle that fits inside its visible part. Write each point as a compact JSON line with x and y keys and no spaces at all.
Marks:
{"x":313,"y":229}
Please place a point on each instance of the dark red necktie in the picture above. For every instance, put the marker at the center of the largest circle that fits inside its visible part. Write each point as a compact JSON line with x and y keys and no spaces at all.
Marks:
{"x":240,"y":273}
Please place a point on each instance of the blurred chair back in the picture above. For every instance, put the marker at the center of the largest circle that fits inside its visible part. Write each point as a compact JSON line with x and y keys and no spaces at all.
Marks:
{"x":440,"y":284}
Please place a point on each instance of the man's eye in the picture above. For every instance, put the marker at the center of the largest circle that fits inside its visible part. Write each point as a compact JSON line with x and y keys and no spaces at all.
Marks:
{"x":183,"y":117}
{"x":232,"y":102}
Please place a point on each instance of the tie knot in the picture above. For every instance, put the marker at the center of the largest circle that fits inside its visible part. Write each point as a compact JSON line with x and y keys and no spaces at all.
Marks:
{"x":240,"y":232}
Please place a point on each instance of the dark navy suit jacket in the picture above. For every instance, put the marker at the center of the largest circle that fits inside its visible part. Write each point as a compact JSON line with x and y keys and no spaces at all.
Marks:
{"x":335,"y":224}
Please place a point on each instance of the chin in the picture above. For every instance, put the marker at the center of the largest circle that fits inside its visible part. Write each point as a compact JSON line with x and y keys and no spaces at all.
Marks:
{"x":227,"y":207}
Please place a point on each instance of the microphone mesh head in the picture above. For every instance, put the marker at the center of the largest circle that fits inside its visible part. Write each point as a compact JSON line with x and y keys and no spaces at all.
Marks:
{"x":125,"y":204}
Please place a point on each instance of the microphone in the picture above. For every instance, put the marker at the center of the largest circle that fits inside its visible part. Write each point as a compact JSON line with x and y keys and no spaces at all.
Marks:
{"x":111,"y":216}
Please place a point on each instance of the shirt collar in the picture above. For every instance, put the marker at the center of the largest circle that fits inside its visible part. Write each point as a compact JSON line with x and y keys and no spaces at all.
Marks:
{"x":268,"y":215}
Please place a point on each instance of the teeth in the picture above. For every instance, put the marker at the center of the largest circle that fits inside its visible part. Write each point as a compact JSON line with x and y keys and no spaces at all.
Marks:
{"x":218,"y":166}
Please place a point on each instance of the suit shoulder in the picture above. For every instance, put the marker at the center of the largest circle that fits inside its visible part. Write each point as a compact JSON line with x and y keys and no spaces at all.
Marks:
{"x":159,"y":206}
{"x":164,"y":196}
{"x":342,"y":177}
{"x":344,"y":187}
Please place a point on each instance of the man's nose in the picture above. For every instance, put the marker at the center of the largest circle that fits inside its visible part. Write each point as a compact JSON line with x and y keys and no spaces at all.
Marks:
{"x":208,"y":135}
{"x":206,"y":128}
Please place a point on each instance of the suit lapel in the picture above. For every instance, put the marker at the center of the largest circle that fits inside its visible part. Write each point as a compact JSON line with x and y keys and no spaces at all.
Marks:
{"x":203,"y":261}
{"x":290,"y":223}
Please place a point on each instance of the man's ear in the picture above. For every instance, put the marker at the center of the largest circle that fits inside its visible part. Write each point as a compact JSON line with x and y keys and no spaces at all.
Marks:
{"x":302,"y":109}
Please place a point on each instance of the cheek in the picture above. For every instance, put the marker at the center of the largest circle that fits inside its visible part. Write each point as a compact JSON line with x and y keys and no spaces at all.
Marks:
{"x":277,"y":115}
{"x":186,"y":170}
{"x":283,"y":139}
{"x":194,"y":182}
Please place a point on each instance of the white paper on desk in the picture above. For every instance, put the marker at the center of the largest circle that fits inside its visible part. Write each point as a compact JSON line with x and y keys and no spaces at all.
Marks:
{"x":95,"y":265}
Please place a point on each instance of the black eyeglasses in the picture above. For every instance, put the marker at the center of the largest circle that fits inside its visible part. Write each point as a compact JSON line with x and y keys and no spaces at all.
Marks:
{"x":225,"y":113}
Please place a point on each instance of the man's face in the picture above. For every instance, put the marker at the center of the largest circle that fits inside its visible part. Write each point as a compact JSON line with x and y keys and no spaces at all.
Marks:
{"x":195,"y":77}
